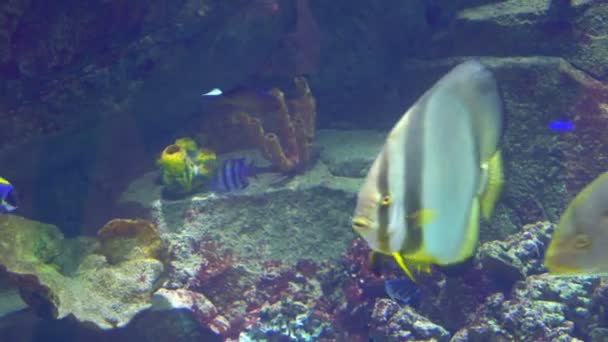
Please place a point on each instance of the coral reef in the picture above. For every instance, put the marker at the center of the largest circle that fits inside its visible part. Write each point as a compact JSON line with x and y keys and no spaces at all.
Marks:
{"x":392,"y":322}
{"x":265,"y":266}
{"x":283,"y":247}
{"x":503,"y":296}
{"x":540,"y":308}
{"x":521,"y":255}
{"x":205,"y":312}
{"x":250,"y":267}
{"x":56,"y":282}
{"x":286,"y":319}
{"x":49,"y":53}
{"x":282,"y":129}
{"x":124,"y":239}
{"x":290,"y":148}
{"x":184,"y":166}
{"x":254,"y":252}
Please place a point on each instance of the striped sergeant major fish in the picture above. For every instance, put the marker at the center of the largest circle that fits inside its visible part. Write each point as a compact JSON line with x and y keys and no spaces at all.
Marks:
{"x":233,"y":174}
{"x":439,"y":169}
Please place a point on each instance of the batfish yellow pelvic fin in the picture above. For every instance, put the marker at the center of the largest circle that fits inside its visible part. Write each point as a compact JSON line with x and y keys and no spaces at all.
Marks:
{"x":493,"y":187}
{"x":422,"y":217}
{"x":472,"y":232}
{"x":401,"y":263}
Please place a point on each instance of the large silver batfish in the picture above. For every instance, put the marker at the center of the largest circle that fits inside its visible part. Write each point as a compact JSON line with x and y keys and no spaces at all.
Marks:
{"x":579,"y":243}
{"x":438,"y":169}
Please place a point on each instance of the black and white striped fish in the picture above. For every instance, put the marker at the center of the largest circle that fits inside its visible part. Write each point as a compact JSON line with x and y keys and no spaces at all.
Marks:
{"x":439,"y":169}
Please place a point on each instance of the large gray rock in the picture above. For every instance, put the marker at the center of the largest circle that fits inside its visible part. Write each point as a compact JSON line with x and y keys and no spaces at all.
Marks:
{"x":349,"y":153}
{"x":391,"y":323}
{"x":570,"y":29}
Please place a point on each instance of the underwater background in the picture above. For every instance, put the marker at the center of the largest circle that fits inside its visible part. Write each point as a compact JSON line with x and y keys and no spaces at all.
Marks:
{"x":187,"y":170}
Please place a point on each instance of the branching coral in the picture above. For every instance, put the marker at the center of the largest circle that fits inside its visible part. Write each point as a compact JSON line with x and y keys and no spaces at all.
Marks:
{"x":289,"y":148}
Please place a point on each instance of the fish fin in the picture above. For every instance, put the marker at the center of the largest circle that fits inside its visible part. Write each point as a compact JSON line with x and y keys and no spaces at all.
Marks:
{"x":4,"y":181}
{"x":422,"y":216}
{"x":421,"y":260}
{"x":559,"y":269}
{"x":493,"y":187}
{"x":472,"y":232}
{"x":401,"y":263}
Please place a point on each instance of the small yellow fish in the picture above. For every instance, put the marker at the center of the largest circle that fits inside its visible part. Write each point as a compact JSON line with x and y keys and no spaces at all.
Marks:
{"x":579,"y":243}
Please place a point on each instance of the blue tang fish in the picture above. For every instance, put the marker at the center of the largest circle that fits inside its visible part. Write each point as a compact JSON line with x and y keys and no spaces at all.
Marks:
{"x":402,"y":290}
{"x":8,"y":197}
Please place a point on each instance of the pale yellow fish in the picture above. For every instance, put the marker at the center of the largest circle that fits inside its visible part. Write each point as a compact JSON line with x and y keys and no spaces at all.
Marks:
{"x":421,"y":198}
{"x":580,"y":241}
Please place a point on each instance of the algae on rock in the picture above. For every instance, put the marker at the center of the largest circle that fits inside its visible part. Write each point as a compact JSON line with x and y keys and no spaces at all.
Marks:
{"x":104,"y":294}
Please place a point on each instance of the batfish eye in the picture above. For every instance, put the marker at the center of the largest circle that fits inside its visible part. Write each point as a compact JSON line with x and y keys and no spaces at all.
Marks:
{"x":360,"y":223}
{"x":582,"y":241}
{"x":386,"y":200}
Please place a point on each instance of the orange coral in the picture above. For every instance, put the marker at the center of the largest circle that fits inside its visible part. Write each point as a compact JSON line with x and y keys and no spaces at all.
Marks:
{"x":289,"y":148}
{"x":283,"y":129}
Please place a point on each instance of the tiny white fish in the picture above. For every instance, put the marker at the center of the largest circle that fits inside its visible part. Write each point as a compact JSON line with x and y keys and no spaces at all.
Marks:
{"x":213,"y":92}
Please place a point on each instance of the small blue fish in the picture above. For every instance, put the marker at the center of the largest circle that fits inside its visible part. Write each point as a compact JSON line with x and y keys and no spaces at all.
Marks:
{"x":402,"y":290}
{"x":8,"y":197}
{"x":561,"y":125}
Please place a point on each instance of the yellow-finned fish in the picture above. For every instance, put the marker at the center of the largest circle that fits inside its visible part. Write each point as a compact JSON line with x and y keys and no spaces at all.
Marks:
{"x":439,"y":168}
{"x":8,"y":197}
{"x":579,"y":243}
